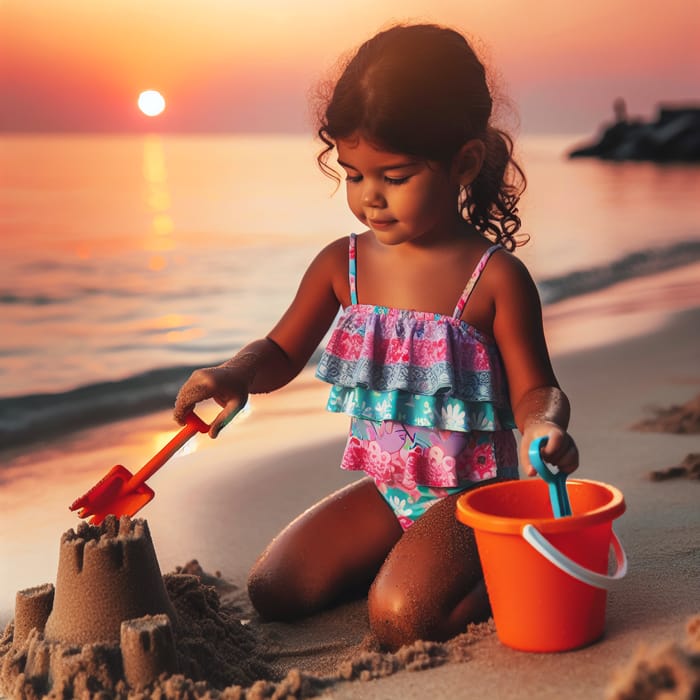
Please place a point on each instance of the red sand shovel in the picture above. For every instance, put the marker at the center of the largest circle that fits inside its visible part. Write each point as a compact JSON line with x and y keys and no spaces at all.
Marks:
{"x":122,"y":493}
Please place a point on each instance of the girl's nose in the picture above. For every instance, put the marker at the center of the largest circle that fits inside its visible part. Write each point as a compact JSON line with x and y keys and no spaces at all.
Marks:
{"x":372,"y":196}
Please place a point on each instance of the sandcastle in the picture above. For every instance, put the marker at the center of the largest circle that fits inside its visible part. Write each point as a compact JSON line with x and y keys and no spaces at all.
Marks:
{"x":106,"y":574}
{"x":109,"y":609}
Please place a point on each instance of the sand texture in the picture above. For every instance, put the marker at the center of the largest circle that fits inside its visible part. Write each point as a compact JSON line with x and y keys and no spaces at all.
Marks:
{"x":212,"y":654}
{"x":216,"y":656}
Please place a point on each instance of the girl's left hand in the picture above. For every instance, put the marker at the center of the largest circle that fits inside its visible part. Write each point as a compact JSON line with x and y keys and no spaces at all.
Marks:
{"x":560,"y":450}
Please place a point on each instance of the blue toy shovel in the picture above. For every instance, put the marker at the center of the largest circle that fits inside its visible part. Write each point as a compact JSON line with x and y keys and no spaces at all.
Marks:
{"x":556,"y":481}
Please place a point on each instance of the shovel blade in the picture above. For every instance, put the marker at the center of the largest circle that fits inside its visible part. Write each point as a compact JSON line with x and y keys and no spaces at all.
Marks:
{"x":111,"y":497}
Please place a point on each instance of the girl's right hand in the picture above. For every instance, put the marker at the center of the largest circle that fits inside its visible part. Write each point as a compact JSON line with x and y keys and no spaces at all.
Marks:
{"x":559,"y":450}
{"x":226,"y":384}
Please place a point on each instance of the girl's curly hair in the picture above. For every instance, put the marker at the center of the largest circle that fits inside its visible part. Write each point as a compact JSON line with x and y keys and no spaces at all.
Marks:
{"x":421,"y":90}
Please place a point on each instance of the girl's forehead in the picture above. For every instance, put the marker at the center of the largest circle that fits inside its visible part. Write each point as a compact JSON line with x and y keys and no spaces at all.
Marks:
{"x":357,"y":149}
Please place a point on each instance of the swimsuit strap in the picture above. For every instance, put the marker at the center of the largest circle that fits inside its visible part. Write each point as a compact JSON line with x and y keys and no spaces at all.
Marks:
{"x":352,"y":271}
{"x":473,"y":280}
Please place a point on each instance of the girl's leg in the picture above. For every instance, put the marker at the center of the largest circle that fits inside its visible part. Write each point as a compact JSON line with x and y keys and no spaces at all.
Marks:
{"x":431,"y":585}
{"x":331,"y":551}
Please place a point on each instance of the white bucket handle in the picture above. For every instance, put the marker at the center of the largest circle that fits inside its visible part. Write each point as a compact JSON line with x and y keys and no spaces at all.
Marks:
{"x":541,"y":545}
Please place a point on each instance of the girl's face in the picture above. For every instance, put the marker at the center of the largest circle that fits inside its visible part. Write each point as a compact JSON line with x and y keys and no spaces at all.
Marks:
{"x":399,"y":197}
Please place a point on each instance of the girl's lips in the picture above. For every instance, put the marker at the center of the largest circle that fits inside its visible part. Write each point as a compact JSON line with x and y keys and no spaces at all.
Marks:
{"x":381,"y":223}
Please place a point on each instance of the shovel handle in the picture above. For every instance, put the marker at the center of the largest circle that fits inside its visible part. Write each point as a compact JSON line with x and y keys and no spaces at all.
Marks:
{"x":193,"y":425}
{"x":556,"y":481}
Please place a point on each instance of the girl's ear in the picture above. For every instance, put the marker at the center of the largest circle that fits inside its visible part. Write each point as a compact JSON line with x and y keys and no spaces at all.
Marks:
{"x":468,"y":161}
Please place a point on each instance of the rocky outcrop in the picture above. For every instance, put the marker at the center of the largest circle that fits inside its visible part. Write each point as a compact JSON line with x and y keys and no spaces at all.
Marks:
{"x":674,"y":136}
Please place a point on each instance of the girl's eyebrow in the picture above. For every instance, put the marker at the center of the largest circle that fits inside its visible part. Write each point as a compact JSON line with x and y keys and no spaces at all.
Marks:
{"x":392,"y":166}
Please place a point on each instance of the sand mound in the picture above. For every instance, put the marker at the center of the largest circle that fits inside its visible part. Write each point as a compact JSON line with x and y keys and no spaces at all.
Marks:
{"x":670,"y":672}
{"x":689,"y":468}
{"x":683,"y":420}
{"x":680,"y":420}
{"x":196,"y":648}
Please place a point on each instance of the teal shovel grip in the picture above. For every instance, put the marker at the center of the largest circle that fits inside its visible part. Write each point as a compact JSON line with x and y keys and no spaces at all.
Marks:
{"x":556,"y":481}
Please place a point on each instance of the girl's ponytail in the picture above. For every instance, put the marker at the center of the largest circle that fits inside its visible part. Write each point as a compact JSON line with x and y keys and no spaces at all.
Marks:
{"x":491,"y":201}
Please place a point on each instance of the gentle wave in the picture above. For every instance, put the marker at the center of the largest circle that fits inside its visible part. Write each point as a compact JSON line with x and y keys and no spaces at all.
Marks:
{"x":637,"y":264}
{"x":24,"y":418}
{"x":43,"y":416}
{"x":10,"y":298}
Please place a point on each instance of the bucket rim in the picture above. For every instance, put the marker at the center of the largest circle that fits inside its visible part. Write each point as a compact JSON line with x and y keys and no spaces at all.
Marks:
{"x":479,"y":520}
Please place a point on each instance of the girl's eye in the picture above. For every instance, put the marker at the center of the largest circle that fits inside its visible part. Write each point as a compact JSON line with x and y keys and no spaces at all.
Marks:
{"x":387,"y":179}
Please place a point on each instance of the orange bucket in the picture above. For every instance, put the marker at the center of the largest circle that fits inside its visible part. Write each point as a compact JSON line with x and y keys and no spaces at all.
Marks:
{"x":546,"y":577}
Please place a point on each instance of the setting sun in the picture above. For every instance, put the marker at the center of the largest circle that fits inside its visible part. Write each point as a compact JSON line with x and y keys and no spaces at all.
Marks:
{"x":151,"y":103}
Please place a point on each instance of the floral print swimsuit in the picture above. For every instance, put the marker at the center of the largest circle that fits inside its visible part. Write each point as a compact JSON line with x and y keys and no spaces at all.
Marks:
{"x":427,"y":396}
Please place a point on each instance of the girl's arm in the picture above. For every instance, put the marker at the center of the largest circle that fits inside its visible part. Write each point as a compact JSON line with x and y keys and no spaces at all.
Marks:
{"x":271,"y":362}
{"x":544,"y":411}
{"x":540,"y":407}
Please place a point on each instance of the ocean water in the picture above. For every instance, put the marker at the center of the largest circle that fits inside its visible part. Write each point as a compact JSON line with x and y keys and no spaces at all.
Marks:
{"x":127,"y":261}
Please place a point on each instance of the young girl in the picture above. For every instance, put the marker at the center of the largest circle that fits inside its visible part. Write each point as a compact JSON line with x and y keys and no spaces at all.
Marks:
{"x":438,"y":355}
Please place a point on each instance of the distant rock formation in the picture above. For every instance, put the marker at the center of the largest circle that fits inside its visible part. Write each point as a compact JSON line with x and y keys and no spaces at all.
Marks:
{"x":673,"y":137}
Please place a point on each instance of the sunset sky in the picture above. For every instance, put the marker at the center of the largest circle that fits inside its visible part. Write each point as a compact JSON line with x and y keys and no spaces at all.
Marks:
{"x":248,"y":65}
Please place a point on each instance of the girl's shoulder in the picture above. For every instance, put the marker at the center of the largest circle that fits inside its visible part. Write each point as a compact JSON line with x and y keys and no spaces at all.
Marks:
{"x":506,"y":277}
{"x":507,"y":267}
{"x":330,"y":268}
{"x":336,"y":252}
{"x":514,"y":294}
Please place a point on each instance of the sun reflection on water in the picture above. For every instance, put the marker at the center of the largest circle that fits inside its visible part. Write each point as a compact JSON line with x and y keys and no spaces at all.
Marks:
{"x":157,"y":196}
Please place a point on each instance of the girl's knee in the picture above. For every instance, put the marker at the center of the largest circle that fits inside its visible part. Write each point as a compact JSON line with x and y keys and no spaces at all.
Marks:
{"x":282,"y":588}
{"x":262,"y":593}
{"x":317,"y":560}
{"x":279,"y":595}
{"x":396,"y":616}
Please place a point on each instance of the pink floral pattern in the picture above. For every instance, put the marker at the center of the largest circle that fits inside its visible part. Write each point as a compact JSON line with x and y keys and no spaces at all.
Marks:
{"x":407,"y":456}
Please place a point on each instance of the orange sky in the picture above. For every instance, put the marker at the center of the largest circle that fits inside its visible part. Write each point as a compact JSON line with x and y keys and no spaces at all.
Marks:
{"x":247,"y":65}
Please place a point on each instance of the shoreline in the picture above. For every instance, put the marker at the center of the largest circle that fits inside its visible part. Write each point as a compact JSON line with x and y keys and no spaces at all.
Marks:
{"x":627,"y":309}
{"x":630,"y":307}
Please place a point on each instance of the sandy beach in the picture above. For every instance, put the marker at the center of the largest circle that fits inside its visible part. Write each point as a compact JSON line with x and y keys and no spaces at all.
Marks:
{"x":223,"y":502}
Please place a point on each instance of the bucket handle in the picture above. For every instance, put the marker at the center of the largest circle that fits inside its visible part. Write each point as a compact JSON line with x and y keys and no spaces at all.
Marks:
{"x":541,"y":545}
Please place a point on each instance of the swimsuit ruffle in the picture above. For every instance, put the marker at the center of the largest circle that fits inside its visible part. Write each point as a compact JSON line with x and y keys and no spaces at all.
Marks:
{"x":408,"y":366}
{"x":440,"y":411}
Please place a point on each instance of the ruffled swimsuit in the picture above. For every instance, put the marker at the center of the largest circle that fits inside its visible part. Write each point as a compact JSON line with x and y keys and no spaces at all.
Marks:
{"x":427,"y":396}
